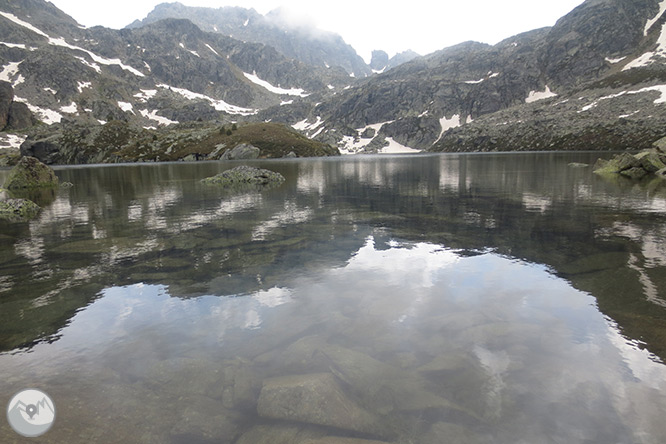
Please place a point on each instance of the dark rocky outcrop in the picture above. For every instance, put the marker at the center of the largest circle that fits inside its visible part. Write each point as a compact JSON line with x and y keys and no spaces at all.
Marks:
{"x":30,"y":173}
{"x":6,"y":98}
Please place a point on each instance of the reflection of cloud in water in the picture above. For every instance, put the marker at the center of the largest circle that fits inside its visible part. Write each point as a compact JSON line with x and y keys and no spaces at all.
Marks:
{"x":535,"y":202}
{"x":273,"y":297}
{"x":411,"y":264}
{"x":291,"y":215}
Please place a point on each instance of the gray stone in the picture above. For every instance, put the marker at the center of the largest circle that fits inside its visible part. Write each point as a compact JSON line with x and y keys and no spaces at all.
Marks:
{"x":280,"y":434}
{"x":20,"y":116}
{"x":661,"y":173}
{"x":31,"y":173}
{"x":338,"y":440}
{"x":18,"y":210}
{"x":314,"y":399}
{"x":6,"y":98}
{"x":651,"y":161}
{"x":635,"y":173}
{"x":241,"y":152}
{"x":448,"y":433}
{"x":369,"y":133}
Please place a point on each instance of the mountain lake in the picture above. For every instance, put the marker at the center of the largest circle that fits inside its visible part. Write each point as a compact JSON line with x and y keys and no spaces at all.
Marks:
{"x":412,"y":299}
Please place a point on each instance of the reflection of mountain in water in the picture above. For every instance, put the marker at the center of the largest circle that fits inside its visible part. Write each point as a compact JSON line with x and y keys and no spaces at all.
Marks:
{"x":157,"y":224}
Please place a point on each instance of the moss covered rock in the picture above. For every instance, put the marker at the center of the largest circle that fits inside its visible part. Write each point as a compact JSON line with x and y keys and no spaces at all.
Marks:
{"x":18,"y":210}
{"x":31,"y":173}
{"x":245,"y":175}
{"x":635,"y":167}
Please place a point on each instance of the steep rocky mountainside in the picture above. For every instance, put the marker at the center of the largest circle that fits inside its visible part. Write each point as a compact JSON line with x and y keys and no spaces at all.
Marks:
{"x":300,"y":42}
{"x":420,"y":103}
{"x":167,"y":71}
{"x":595,"y":80}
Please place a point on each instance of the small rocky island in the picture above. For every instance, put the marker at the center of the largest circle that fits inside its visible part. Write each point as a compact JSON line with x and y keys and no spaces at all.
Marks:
{"x":245,"y":176}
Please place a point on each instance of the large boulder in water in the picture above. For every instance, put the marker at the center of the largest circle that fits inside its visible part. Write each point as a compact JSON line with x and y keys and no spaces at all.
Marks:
{"x":31,"y":173}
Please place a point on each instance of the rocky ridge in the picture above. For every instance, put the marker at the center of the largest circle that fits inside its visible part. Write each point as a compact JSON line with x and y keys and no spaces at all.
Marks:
{"x":601,"y":64}
{"x":595,"y":80}
{"x":300,"y":42}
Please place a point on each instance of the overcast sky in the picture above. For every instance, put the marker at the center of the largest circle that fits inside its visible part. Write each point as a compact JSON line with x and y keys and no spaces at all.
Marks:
{"x":424,"y":26}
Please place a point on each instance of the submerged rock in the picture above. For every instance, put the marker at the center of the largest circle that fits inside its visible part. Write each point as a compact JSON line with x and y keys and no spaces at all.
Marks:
{"x":245,"y":175}
{"x":338,"y":440}
{"x":18,"y":210}
{"x":314,"y":399}
{"x":280,"y":434}
{"x":31,"y":173}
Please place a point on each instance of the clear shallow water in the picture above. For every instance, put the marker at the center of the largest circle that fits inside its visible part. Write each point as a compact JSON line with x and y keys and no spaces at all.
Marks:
{"x":478,"y":298}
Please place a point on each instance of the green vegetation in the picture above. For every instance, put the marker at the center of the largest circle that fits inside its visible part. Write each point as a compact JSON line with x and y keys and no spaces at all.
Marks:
{"x":201,"y":141}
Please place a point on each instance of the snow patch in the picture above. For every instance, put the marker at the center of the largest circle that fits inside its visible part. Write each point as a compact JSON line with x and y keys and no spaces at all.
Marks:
{"x":535,"y":96}
{"x":82,"y":85}
{"x":397,"y":148}
{"x":145,"y":94}
{"x":303,"y":125}
{"x":246,"y":22}
{"x":352,"y":145}
{"x":126,"y":106}
{"x":11,"y":140}
{"x":286,"y":102}
{"x":215,"y":52}
{"x":94,"y":66}
{"x":9,"y":71}
{"x":659,"y":88}
{"x":20,"y":22}
{"x":147,"y":66}
{"x":69,"y":109}
{"x":624,"y":116}
{"x":219,"y":105}
{"x":47,"y":116}
{"x":614,"y":61}
{"x":14,"y":45}
{"x":62,"y":43}
{"x":448,"y":124}
{"x":274,"y":89}
{"x":648,"y":57}
{"x":152,"y":115}
{"x":652,"y":21}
